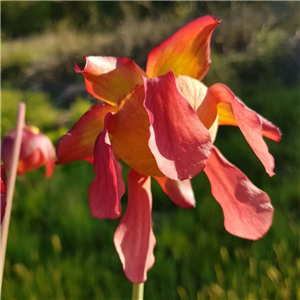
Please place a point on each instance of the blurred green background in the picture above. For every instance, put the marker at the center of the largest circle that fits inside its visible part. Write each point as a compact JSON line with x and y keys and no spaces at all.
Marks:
{"x":56,"y":250}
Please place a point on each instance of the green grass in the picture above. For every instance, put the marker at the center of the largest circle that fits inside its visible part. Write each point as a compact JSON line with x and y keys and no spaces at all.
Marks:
{"x":56,"y":250}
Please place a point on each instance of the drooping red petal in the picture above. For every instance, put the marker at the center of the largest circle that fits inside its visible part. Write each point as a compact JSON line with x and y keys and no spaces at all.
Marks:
{"x":178,"y":140}
{"x":180,"y":192}
{"x":134,"y":238}
{"x":110,"y":78}
{"x":79,"y":142}
{"x":250,"y":123}
{"x":248,"y":212}
{"x":187,"y":52}
{"x":108,"y":187}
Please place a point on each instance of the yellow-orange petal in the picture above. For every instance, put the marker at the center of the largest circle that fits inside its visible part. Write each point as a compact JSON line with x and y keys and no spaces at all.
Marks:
{"x":187,"y":52}
{"x":79,"y":142}
{"x":110,"y":78}
{"x":130,"y":134}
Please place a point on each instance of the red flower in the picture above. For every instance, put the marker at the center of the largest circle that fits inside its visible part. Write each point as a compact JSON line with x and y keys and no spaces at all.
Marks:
{"x":36,"y":150}
{"x":3,"y":191}
{"x":162,"y":123}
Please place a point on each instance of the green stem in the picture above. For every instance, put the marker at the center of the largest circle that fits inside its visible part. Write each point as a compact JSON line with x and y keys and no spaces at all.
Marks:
{"x":138,"y":291}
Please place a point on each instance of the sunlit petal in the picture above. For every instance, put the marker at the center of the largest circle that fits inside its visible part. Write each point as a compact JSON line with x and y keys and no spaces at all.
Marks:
{"x":134,"y":238}
{"x":248,"y":212}
{"x":232,"y":111}
{"x":130,"y":134}
{"x":79,"y":142}
{"x":187,"y":52}
{"x":110,"y":78}
{"x":178,"y":140}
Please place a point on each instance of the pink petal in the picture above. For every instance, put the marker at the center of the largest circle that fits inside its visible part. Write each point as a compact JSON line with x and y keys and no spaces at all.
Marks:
{"x":248,"y":121}
{"x":48,"y":153}
{"x":178,"y":140}
{"x":108,"y":187}
{"x":79,"y":142}
{"x":247,"y":210}
{"x":270,"y":131}
{"x":187,"y":52}
{"x":134,"y":239}
{"x":110,"y":78}
{"x":180,"y":192}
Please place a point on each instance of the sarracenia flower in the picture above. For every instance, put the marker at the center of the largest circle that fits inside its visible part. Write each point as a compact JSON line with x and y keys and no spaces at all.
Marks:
{"x":162,"y":123}
{"x":3,"y":191}
{"x":36,"y":150}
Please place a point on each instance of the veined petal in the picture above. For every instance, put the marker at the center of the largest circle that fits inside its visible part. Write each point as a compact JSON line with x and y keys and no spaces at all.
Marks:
{"x":108,"y":187}
{"x":134,"y":239}
{"x":248,"y":212}
{"x":79,"y":142}
{"x":180,"y":192}
{"x":232,"y":111}
{"x":187,"y":52}
{"x":110,"y":78}
{"x":130,"y":133}
{"x":178,"y":140}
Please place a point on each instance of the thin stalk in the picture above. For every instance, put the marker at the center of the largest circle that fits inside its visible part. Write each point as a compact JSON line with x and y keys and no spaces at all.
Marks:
{"x":138,"y":291}
{"x":11,"y":184}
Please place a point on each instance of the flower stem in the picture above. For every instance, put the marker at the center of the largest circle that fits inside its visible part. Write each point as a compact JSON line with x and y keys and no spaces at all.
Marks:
{"x":138,"y":291}
{"x":11,"y":184}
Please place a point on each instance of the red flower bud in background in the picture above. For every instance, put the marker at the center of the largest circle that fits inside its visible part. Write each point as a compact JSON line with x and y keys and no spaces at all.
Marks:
{"x":36,"y":150}
{"x":3,"y":191}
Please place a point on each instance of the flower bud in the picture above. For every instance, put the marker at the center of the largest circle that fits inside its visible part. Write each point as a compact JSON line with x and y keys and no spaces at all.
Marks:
{"x":36,"y":150}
